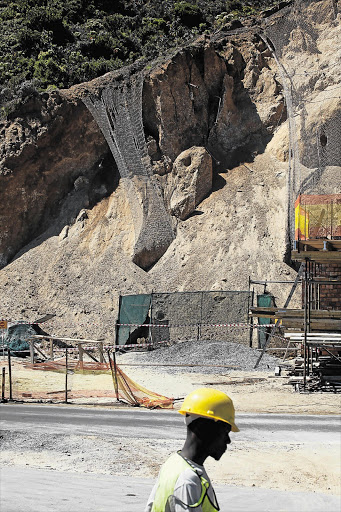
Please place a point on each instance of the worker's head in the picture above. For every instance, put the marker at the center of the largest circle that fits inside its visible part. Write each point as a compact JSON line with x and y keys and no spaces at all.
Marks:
{"x":209,"y":416}
{"x":211,"y":437}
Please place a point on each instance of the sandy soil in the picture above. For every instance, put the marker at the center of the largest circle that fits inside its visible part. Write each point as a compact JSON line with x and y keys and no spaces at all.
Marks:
{"x":277,"y":465}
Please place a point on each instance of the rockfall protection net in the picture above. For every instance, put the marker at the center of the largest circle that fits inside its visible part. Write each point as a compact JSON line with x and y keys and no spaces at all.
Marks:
{"x":85,"y":380}
{"x":118,"y":113}
{"x":304,"y":39}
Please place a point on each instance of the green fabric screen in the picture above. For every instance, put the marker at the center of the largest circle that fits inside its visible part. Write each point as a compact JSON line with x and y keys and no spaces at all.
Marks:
{"x":133,"y":310}
{"x":266,"y":300}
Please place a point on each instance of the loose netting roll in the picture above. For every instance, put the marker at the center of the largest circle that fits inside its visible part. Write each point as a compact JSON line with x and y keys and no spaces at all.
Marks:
{"x":85,"y":380}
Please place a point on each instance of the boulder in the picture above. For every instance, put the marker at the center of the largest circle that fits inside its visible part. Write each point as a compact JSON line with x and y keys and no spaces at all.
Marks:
{"x":189,"y":182}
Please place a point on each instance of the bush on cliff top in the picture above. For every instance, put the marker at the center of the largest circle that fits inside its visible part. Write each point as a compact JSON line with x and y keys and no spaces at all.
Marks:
{"x":60,"y":43}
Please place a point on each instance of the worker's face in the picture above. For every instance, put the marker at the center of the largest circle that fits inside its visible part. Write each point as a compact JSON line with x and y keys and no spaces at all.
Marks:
{"x":214,"y":436}
{"x":219,"y":440}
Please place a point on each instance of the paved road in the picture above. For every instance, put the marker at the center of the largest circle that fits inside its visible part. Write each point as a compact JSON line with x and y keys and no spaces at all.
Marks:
{"x":28,"y":490}
{"x":163,"y":424}
{"x":35,"y":490}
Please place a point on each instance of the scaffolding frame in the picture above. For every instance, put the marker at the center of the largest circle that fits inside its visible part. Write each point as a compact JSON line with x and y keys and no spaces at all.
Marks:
{"x":311,"y":253}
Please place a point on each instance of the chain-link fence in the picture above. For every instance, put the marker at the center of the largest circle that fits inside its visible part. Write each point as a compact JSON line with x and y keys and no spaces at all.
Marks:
{"x":180,"y":316}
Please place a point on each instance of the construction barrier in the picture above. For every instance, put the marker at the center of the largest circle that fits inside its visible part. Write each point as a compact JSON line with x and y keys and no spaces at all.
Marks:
{"x":70,"y":380}
{"x":85,"y":371}
{"x":201,"y":315}
{"x":318,"y":216}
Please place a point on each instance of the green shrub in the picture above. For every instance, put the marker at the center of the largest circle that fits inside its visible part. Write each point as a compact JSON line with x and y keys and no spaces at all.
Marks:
{"x":189,"y":14}
{"x":59,"y":41}
{"x":29,"y":40}
{"x":48,"y":70}
{"x":234,"y":5}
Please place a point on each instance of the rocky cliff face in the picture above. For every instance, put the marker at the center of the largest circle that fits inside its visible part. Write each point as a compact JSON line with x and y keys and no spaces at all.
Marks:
{"x":215,"y":126}
{"x":51,"y":150}
{"x":53,"y":147}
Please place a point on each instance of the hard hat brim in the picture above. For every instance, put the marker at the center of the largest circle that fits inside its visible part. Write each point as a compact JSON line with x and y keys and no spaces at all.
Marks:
{"x":234,"y":427}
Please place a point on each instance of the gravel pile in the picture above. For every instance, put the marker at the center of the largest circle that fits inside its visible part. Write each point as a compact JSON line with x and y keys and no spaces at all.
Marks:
{"x":221,"y":353}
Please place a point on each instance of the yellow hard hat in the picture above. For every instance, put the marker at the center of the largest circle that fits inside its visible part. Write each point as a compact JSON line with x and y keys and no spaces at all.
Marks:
{"x":210,"y":403}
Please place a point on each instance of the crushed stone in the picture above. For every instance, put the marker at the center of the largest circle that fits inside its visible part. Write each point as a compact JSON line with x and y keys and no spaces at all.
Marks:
{"x":206,"y":354}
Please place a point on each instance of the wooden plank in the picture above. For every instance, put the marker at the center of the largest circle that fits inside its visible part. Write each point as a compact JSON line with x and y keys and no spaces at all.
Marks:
{"x":80,"y":351}
{"x":32,"y":351}
{"x":314,"y":313}
{"x":322,"y":338}
{"x":321,"y":342}
{"x":80,"y":340}
{"x":298,"y":313}
{"x":261,"y":309}
{"x":317,"y":324}
{"x":318,"y":256}
{"x":263,"y":315}
{"x":101,"y":355}
{"x":336,"y":344}
{"x":40,"y":351}
{"x":90,"y":355}
{"x":314,"y":334}
{"x":318,"y":244}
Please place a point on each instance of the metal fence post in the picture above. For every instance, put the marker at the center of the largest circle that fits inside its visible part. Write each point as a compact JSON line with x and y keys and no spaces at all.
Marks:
{"x":200,"y":323}
{"x":66,"y":368}
{"x":32,"y":350}
{"x":3,"y":384}
{"x":114,"y":372}
{"x":10,"y":374}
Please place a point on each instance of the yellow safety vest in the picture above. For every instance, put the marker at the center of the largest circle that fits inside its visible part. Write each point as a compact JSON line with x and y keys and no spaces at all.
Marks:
{"x":168,"y":476}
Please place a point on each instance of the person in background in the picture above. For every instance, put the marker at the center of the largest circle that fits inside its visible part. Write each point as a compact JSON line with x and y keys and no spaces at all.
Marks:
{"x":183,"y":483}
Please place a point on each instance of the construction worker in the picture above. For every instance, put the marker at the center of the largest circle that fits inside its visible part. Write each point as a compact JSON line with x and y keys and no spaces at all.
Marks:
{"x":183,"y":483}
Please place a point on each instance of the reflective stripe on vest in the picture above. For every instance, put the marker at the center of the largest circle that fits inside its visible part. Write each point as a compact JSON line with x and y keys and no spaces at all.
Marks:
{"x":168,"y":477}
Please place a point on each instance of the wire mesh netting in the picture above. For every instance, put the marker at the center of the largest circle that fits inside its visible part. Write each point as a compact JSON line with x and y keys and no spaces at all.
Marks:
{"x":303,"y":39}
{"x":118,"y":113}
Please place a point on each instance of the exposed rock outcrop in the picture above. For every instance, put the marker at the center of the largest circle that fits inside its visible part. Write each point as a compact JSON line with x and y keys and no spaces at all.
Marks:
{"x":189,"y":182}
{"x":45,"y":150}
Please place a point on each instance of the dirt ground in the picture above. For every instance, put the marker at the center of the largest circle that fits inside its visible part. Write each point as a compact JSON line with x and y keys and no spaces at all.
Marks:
{"x":304,"y":466}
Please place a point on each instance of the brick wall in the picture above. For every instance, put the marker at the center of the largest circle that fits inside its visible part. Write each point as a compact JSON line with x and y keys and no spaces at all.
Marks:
{"x":330,"y":294}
